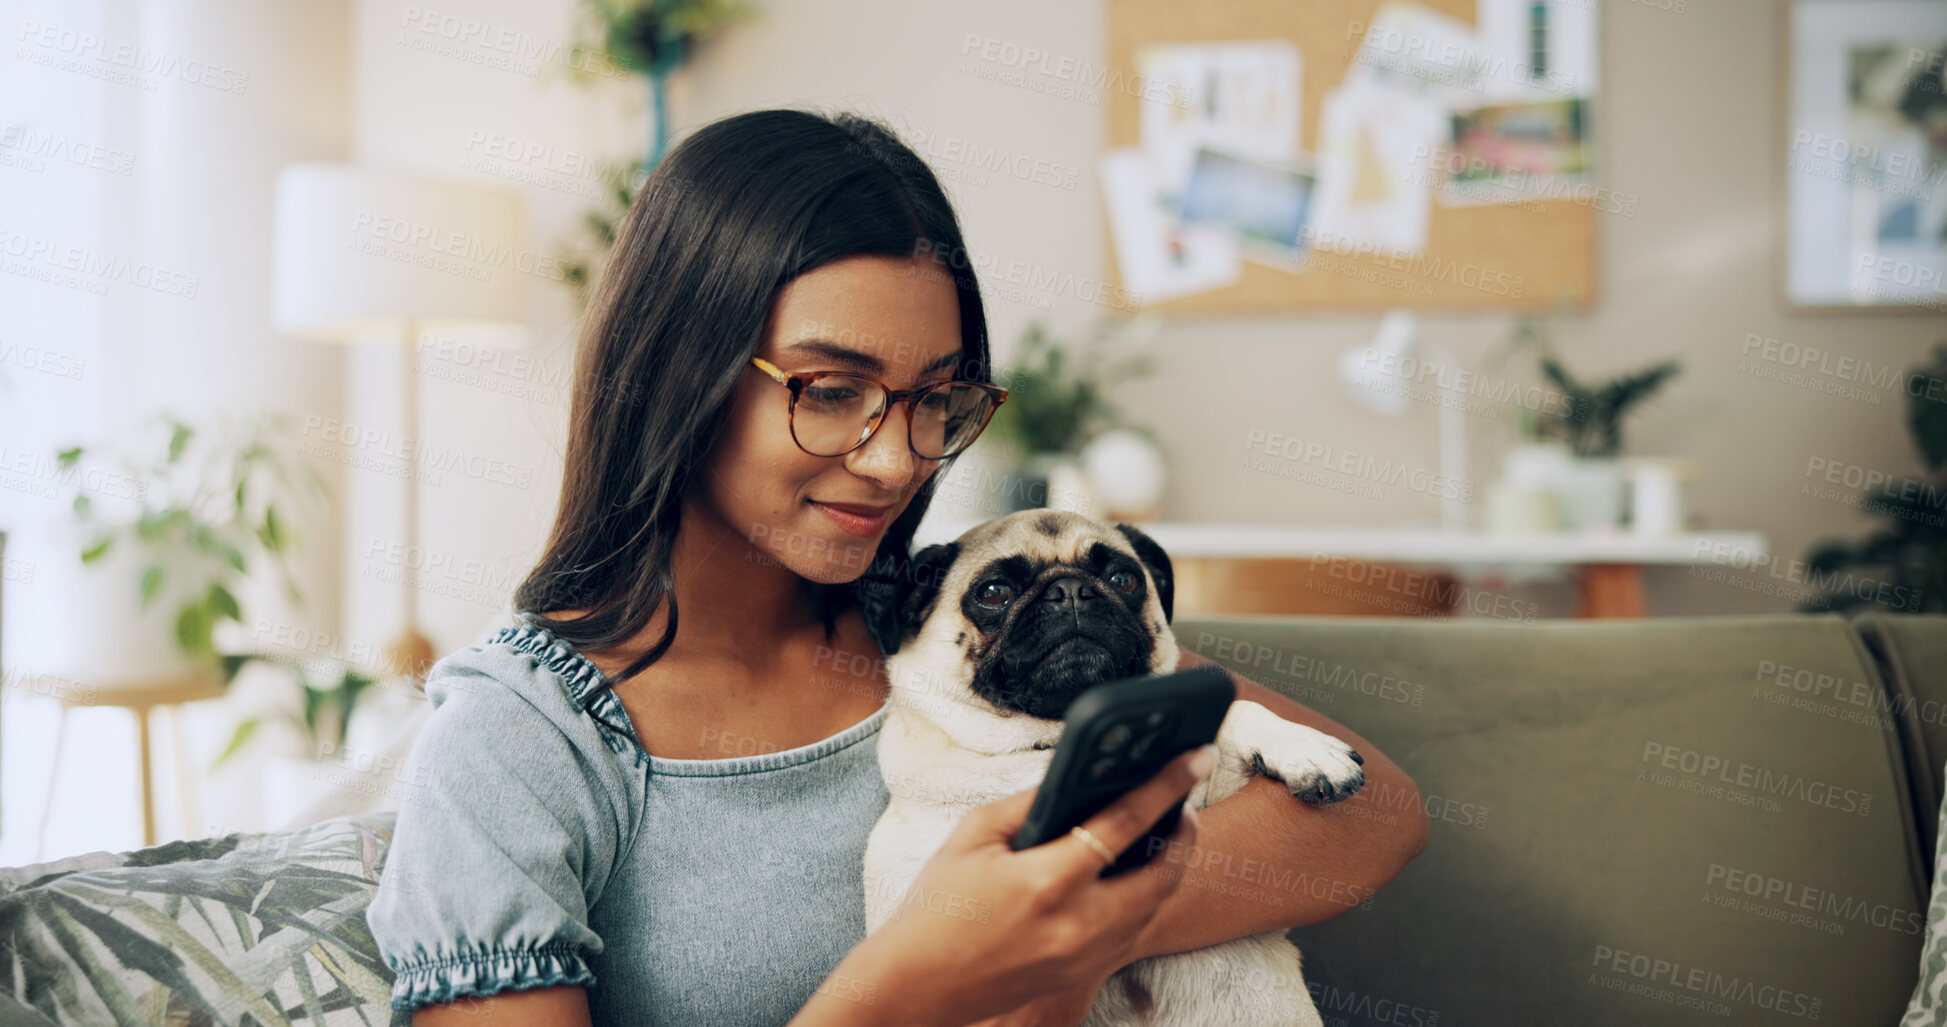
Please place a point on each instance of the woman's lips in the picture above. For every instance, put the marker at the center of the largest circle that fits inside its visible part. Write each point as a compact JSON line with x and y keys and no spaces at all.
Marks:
{"x":854,"y":524}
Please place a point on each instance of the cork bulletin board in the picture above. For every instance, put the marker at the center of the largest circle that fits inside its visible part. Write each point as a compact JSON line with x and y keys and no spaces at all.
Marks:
{"x":1538,"y":254}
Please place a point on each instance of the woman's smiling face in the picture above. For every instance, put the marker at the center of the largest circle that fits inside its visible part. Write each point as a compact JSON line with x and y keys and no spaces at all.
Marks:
{"x":891,"y":319}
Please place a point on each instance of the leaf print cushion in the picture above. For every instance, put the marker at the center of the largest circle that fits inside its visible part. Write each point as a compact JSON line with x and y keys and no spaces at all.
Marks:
{"x":203,"y":932}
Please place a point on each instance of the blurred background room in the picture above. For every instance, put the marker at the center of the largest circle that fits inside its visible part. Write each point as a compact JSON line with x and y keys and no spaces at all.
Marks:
{"x":1459,"y":308}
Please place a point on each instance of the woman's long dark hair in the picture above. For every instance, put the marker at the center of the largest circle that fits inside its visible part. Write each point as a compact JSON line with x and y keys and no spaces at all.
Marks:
{"x":739,"y":208}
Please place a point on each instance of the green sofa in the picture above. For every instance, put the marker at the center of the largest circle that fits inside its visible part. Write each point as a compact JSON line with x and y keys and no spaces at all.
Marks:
{"x":1689,"y":820}
{"x":1709,"y":820}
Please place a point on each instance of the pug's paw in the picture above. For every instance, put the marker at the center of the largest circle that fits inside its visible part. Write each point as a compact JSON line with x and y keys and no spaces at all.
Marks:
{"x":1322,"y":770}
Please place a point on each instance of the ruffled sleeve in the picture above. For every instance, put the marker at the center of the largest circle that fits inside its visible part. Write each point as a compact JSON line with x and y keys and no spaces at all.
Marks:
{"x":514,"y":815}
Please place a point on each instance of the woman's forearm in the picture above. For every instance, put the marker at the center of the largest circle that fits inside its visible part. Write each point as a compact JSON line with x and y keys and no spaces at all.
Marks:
{"x":1266,"y":861}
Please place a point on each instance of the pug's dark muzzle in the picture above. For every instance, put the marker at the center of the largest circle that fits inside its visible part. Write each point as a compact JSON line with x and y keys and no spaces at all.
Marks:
{"x":1069,"y":632}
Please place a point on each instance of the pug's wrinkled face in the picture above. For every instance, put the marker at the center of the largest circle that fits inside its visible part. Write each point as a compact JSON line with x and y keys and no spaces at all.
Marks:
{"x":1030,"y":610}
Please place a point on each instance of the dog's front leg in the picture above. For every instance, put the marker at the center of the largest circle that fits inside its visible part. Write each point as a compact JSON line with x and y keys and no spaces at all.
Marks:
{"x":1315,"y":766}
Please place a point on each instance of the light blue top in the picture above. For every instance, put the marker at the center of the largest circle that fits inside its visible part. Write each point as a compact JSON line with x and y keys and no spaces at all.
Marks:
{"x":538,"y":844}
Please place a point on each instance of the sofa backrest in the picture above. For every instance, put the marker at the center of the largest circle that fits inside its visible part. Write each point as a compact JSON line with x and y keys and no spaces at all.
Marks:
{"x":1674,"y":820}
{"x":1910,"y":654}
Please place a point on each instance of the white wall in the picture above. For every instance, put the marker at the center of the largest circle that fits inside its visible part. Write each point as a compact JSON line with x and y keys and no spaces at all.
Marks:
{"x":218,"y":100}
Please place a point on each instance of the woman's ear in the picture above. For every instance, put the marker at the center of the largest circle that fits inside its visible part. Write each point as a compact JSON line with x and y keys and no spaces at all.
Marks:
{"x":921,"y":589}
{"x":1158,"y":564}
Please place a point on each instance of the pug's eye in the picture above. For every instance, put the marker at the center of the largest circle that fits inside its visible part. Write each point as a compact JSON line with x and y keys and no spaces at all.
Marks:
{"x":1125,"y":581}
{"x":994,"y":594}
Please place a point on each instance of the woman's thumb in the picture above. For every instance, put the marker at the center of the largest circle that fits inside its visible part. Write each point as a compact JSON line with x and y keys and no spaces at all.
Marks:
{"x":1000,"y":819}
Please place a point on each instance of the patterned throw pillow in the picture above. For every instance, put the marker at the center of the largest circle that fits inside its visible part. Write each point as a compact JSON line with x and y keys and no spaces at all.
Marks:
{"x":1928,"y":1007}
{"x":202,"y":932}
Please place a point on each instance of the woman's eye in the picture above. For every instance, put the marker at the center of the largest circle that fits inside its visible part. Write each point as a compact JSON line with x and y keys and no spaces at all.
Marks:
{"x":994,"y":594}
{"x":1124,"y":581}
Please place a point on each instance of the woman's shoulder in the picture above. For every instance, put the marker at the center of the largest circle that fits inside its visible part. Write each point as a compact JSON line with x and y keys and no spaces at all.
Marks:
{"x":520,"y":680}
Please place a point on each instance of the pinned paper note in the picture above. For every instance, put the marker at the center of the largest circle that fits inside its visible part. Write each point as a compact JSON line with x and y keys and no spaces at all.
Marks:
{"x":1242,"y":99}
{"x":1532,"y":51}
{"x":1160,"y":255}
{"x":1266,"y":204}
{"x":1417,"y":50}
{"x":1373,"y":190}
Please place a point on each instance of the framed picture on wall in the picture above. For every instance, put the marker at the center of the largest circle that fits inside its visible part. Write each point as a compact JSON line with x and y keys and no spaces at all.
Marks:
{"x":1865,"y":161}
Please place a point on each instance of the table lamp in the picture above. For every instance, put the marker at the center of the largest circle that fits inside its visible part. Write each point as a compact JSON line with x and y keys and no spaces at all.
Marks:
{"x":365,"y":254}
{"x":1382,"y":375}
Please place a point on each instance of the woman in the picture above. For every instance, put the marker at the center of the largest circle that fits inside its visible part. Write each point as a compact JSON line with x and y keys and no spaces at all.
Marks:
{"x":648,"y":801}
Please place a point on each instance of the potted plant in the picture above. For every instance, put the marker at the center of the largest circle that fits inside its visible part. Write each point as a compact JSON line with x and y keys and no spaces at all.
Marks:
{"x":652,"y":38}
{"x":1576,"y":432}
{"x":208,"y":505}
{"x":1055,"y":406}
{"x":329,"y":689}
{"x":1903,"y":562}
{"x":212,"y":503}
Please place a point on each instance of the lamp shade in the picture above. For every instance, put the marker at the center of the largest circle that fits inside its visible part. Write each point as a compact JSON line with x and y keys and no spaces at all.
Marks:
{"x":1372,"y":373}
{"x":361,"y":252}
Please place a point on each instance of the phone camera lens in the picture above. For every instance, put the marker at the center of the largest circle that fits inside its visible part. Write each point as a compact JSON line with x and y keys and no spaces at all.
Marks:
{"x":1113,"y":738}
{"x":1141,"y":748}
{"x":1155,"y":717}
{"x":1101,"y":768}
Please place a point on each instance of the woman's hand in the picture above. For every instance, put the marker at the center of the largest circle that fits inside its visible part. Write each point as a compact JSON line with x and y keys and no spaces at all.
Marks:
{"x":1059,"y":1009}
{"x":984,"y":931}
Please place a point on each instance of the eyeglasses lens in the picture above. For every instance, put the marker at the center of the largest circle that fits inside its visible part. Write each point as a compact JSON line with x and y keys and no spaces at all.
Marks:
{"x":835,"y":412}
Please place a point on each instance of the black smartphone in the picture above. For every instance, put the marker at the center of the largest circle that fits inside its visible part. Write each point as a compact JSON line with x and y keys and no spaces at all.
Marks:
{"x":1118,"y":735}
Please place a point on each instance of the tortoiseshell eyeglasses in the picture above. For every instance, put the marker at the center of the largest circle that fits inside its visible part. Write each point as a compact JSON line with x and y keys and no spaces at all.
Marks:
{"x":835,"y":412}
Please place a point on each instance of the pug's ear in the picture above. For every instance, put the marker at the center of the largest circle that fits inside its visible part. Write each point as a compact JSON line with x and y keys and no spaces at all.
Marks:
{"x":922,"y":588}
{"x":1158,"y":564}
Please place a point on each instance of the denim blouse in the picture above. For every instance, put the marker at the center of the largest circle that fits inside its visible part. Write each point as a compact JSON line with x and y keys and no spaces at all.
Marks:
{"x":538,"y":843}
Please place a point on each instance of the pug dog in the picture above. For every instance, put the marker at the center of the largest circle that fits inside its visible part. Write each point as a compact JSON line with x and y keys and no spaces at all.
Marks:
{"x":1002,"y":629}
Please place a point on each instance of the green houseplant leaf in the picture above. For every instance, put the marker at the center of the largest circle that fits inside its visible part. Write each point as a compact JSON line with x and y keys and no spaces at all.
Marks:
{"x":1901,"y":564}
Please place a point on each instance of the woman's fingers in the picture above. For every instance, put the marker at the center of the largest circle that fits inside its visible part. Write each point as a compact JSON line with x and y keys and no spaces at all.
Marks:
{"x":1121,"y":823}
{"x":1000,"y":819}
